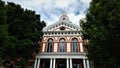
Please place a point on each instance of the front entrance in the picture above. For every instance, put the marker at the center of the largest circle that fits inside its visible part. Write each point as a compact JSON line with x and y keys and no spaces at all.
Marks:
{"x":76,"y":65}
{"x":47,"y":64}
{"x":61,"y":64}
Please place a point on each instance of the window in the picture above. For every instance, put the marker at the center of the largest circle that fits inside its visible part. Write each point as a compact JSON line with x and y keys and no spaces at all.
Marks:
{"x":62,"y":45}
{"x":76,"y":65}
{"x":74,"y":45}
{"x":49,"y":48}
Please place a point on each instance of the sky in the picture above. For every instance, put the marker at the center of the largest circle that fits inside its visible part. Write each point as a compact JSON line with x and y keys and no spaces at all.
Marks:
{"x":51,"y":10}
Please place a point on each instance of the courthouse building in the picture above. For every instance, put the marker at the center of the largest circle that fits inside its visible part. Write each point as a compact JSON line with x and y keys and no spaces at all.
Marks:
{"x":62,"y":46}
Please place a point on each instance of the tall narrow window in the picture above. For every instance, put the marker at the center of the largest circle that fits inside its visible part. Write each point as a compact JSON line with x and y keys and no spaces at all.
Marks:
{"x":49,"y":48}
{"x":74,"y":45}
{"x":62,"y":45}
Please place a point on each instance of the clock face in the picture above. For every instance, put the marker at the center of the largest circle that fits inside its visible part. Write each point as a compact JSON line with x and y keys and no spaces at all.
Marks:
{"x":64,"y":17}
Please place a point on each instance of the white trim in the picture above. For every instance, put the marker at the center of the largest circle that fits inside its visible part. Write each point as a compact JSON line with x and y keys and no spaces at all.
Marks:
{"x":35,"y":64}
{"x":43,"y":47}
{"x":62,"y":33}
{"x":38,"y":65}
{"x":88,"y":65}
{"x":61,"y":55}
{"x":55,"y":47}
{"x":84,"y":63}
{"x":54,"y":63}
{"x":67,"y":63}
{"x":70,"y":63}
{"x":62,"y":23}
{"x":81,"y":47}
{"x":50,"y":63}
{"x":68,"y":47}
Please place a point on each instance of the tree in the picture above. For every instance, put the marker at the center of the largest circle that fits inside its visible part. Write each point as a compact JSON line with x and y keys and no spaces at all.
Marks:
{"x":3,"y":26}
{"x":102,"y":28}
{"x":25,"y":31}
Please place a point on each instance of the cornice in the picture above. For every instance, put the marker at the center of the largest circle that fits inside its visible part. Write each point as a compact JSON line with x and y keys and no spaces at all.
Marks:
{"x":60,"y":55}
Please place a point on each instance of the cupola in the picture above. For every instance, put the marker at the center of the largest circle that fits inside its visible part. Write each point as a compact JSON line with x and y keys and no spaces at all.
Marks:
{"x":64,"y":16}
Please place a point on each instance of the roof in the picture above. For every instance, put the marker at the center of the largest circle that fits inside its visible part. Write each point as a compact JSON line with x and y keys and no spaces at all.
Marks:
{"x":63,"y":22}
{"x":58,"y":24}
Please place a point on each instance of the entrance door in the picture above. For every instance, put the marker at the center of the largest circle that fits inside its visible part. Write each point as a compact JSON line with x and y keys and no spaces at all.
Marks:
{"x":76,"y":65}
{"x":46,"y":64}
{"x":61,"y":65}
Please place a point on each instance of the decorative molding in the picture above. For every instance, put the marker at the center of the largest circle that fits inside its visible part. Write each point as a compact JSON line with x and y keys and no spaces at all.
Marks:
{"x":68,"y":38}
{"x":44,"y":38}
{"x":62,"y":23}
{"x":62,"y":55}
{"x":56,"y":38}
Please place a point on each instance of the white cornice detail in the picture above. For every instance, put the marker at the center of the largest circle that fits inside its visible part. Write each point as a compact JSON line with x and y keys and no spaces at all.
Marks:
{"x":62,"y":55}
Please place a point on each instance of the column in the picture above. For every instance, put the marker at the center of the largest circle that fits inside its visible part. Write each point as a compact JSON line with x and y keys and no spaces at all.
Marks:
{"x":88,"y":65}
{"x":50,"y":63}
{"x":54,"y":63}
{"x":38,"y":65}
{"x":67,"y":63}
{"x":35,"y":64}
{"x":84,"y":63}
{"x":70,"y":63}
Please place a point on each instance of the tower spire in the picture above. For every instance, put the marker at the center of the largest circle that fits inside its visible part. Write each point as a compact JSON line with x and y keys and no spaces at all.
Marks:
{"x":64,"y":16}
{"x":64,"y":12}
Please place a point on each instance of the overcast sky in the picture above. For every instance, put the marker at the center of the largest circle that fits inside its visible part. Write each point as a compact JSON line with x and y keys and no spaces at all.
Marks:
{"x":50,"y":10}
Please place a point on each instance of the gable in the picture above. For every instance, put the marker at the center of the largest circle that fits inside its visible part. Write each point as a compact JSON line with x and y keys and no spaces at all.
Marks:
{"x":62,"y":25}
{"x":62,"y":28}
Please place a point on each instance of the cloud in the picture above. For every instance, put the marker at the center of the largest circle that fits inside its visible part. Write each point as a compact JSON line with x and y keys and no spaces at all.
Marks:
{"x":63,"y":3}
{"x":86,"y":2}
{"x":50,"y":10}
{"x":75,"y":18}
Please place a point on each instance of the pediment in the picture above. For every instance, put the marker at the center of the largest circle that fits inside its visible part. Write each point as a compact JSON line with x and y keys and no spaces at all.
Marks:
{"x":62,"y":28}
{"x":62,"y":25}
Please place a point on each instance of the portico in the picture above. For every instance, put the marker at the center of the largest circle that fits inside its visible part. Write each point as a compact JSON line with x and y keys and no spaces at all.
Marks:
{"x":55,"y":60}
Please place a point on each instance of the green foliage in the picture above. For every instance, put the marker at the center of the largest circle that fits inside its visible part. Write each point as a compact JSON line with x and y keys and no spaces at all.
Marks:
{"x":20,"y":31}
{"x":102,"y":28}
{"x":3,"y":26}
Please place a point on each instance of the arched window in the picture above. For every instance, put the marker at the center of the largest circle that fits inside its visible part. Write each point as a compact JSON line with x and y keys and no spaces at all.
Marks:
{"x":74,"y":45}
{"x":49,"y":48}
{"x":62,"y":45}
